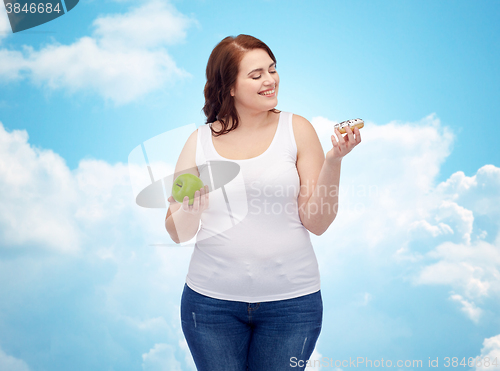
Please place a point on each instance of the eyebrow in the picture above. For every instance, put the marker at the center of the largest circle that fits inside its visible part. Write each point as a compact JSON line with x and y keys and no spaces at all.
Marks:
{"x":261,"y":69}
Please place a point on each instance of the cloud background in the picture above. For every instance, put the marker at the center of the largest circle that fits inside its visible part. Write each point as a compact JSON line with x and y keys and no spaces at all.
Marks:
{"x":409,"y":269}
{"x":123,"y":59}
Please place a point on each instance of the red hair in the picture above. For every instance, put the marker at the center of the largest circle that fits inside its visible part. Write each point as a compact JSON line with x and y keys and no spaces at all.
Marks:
{"x":222,"y":70}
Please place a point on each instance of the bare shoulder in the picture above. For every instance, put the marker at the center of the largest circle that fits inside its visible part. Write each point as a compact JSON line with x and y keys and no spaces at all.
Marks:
{"x":302,"y":125}
{"x":187,"y":158}
{"x":304,"y":133}
{"x":300,"y":122}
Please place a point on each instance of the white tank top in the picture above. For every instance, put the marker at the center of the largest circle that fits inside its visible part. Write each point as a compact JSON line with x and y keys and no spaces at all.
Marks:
{"x":251,"y":245}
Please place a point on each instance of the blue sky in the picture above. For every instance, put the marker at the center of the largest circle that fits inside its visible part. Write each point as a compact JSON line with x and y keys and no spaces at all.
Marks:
{"x":410,"y":269}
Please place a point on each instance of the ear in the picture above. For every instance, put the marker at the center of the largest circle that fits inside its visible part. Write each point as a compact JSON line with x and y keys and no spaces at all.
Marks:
{"x":232,"y":92}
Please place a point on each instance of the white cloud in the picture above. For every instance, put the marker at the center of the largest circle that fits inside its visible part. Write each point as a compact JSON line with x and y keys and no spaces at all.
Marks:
{"x":124,"y":59}
{"x":5,"y":28}
{"x":446,"y":220}
{"x":478,"y":193}
{"x":457,"y":183}
{"x":491,"y":349}
{"x":474,"y":269}
{"x":470,"y":266}
{"x":154,"y":24}
{"x":386,"y":181}
{"x":394,"y":153}
{"x":315,"y":361}
{"x":423,"y":226}
{"x":37,"y":197}
{"x":462,"y":218}
{"x":160,"y":358}
{"x":46,"y":206}
{"x":75,"y":242}
{"x":469,"y":308}
{"x":391,"y":207}
{"x":12,"y":64}
{"x":9,"y":363}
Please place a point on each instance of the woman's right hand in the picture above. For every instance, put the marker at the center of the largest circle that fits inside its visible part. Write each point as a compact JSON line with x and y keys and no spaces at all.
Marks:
{"x":200,"y":204}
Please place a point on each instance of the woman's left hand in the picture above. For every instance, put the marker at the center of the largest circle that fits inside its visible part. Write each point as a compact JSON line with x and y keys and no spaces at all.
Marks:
{"x":343,"y":146}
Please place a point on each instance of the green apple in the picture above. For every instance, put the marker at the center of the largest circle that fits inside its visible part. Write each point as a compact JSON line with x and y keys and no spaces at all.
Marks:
{"x":186,"y":185}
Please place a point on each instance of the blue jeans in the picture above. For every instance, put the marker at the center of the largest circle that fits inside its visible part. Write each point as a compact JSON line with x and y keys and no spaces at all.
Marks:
{"x":225,"y":335}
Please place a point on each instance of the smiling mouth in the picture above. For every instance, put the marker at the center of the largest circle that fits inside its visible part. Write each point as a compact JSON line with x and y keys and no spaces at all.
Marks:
{"x":268,"y":92}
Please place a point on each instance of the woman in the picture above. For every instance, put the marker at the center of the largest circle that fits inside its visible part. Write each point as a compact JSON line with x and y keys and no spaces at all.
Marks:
{"x":252,"y":298}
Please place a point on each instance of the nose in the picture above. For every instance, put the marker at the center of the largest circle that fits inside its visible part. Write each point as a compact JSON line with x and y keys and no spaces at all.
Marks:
{"x":269,"y":80}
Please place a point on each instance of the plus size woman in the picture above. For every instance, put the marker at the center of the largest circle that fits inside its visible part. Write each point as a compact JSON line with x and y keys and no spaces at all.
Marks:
{"x":252,"y":298}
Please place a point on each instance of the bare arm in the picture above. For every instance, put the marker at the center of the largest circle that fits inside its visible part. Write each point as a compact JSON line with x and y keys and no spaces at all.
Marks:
{"x":319,"y":177}
{"x":182,"y":221}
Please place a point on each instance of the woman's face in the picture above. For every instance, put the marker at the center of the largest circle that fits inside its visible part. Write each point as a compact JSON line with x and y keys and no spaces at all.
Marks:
{"x":256,"y":87}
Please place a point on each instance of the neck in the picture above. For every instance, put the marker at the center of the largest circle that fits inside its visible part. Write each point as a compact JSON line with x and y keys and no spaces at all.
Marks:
{"x":251,"y":121}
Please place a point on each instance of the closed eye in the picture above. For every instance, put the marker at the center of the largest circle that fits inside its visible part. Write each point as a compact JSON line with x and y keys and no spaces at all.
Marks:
{"x":258,"y":77}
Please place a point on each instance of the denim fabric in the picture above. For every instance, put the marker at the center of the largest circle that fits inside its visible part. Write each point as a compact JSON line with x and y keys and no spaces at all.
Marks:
{"x":225,"y":335}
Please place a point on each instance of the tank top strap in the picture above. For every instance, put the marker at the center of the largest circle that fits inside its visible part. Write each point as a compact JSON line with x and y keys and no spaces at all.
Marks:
{"x":203,"y":147}
{"x":285,"y":143}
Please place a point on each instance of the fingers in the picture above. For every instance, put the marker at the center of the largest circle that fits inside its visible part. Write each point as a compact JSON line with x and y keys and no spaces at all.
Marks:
{"x":200,"y":201}
{"x":196,"y":203}
{"x":358,"y":135}
{"x":185,"y":203}
{"x":200,"y":197}
{"x":345,"y":143}
{"x":203,"y":200}
{"x":334,"y":139}
{"x":350,"y":136}
{"x":353,"y":136}
{"x":340,"y":144}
